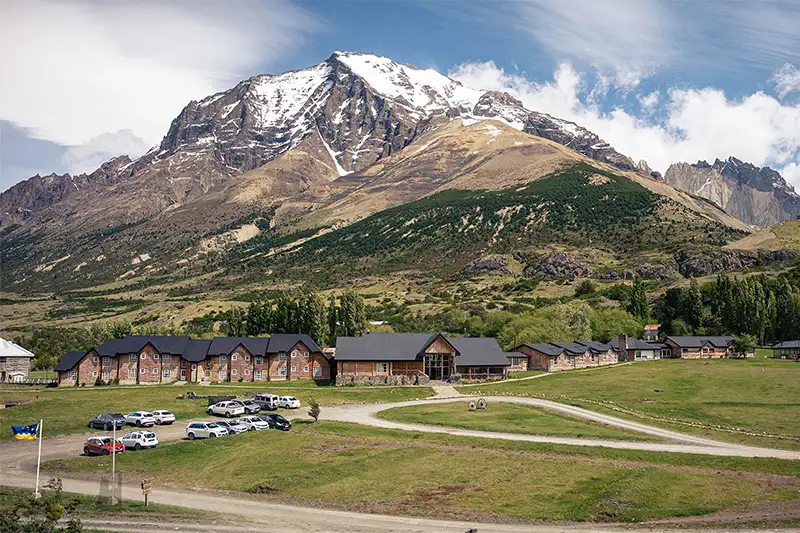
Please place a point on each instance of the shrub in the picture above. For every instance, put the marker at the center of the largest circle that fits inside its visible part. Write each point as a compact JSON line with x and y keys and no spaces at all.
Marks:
{"x":313,"y":409}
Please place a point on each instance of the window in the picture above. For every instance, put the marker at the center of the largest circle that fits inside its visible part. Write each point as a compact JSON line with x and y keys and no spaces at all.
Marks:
{"x":294,"y":354}
{"x":259,"y":360}
{"x":106,"y":375}
{"x":165,"y":373}
{"x":208,"y":373}
{"x":94,"y":374}
{"x":143,"y":356}
{"x":155,"y":371}
{"x":234,"y":372}
{"x":132,"y":373}
{"x":246,"y":371}
{"x":183,"y":363}
{"x":234,"y":357}
{"x":282,"y":356}
{"x":305,"y":369}
{"x":223,"y":359}
{"x":294,"y":368}
{"x":194,"y":367}
{"x":142,"y":370}
{"x":73,"y":375}
{"x":317,"y":371}
{"x":106,"y":360}
{"x":257,"y":374}
{"x":247,"y":358}
{"x":155,"y":357}
{"x":95,"y":359}
{"x":132,"y":358}
{"x":166,"y":359}
{"x":382,"y":368}
{"x":282,"y":370}
{"x":305,"y":354}
{"x":223,"y":375}
{"x":183,"y":373}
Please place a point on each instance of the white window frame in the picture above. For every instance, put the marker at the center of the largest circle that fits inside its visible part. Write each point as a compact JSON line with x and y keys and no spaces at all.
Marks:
{"x":382,"y":368}
{"x":143,"y":356}
{"x":223,"y":359}
{"x":132,"y":358}
{"x":257,"y":373}
{"x":106,"y":360}
{"x":247,"y":358}
{"x":246,"y":371}
{"x":316,"y":371}
{"x":183,"y":363}
{"x":73,"y":375}
{"x":106,"y":375}
{"x":234,"y":372}
{"x":305,"y":369}
{"x":95,"y":359}
{"x":282,"y":356}
{"x":131,"y":373}
{"x":282,"y":370}
{"x":305,"y":354}
{"x":222,"y":375}
{"x":183,"y":373}
{"x":142,"y":371}
{"x":165,"y":373}
{"x":259,"y":360}
{"x":166,"y":359}
{"x":155,"y":372}
{"x":207,"y":373}
{"x":94,"y":374}
{"x":294,"y":368}
{"x":156,"y":357}
{"x":234,"y":357}
{"x":294,"y":354}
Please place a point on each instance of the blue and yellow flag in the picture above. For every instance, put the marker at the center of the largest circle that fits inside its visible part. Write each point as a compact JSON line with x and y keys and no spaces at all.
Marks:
{"x":25,"y":432}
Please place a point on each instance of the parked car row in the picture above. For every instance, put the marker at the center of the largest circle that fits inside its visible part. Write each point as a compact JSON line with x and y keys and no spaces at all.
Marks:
{"x":140,"y":419}
{"x":269,"y":402}
{"x":221,"y":428}
{"x":135,"y":440}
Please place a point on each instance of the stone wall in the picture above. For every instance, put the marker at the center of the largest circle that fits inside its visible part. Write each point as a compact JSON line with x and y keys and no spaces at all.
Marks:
{"x":350,"y":379}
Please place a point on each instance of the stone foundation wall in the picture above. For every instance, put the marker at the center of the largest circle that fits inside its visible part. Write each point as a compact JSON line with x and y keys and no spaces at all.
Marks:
{"x":400,"y":379}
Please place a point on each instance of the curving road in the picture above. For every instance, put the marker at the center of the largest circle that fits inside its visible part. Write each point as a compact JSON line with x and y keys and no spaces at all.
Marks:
{"x":680,"y":442}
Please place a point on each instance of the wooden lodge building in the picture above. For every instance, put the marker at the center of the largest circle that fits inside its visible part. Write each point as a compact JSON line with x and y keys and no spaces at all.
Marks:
{"x":696,"y":347}
{"x":555,"y":356}
{"x":163,"y":359}
{"x":416,"y":358}
{"x":786,"y":350}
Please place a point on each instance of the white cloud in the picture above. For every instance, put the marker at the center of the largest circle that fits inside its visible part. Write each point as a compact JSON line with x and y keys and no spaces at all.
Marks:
{"x":82,"y":68}
{"x":696,"y":123}
{"x":87,"y":157}
{"x":649,"y":101}
{"x":787,"y":80}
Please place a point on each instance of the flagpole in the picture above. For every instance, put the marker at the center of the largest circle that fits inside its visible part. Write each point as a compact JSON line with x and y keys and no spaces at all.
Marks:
{"x":39,"y":459}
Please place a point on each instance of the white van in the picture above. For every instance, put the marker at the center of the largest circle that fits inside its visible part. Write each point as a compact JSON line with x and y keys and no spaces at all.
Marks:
{"x":268,"y":402}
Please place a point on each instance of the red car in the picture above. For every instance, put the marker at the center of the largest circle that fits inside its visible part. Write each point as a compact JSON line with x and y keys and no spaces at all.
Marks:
{"x":102,"y":446}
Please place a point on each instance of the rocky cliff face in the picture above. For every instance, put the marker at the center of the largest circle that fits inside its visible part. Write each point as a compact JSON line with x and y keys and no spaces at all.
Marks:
{"x":757,"y":196}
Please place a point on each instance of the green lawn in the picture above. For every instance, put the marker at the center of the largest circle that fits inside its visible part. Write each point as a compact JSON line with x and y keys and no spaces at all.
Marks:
{"x":508,"y":418}
{"x":372,"y":470}
{"x":761,"y":395}
{"x":524,"y":374}
{"x":69,"y":409}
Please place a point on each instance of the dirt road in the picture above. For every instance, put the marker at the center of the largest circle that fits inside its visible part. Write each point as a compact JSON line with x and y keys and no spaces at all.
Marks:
{"x":681,"y":443}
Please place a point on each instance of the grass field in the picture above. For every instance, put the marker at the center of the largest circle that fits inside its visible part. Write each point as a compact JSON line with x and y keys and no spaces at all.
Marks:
{"x":372,"y":470}
{"x":507,"y":418}
{"x":524,"y":374}
{"x":69,"y":409}
{"x":757,"y":394}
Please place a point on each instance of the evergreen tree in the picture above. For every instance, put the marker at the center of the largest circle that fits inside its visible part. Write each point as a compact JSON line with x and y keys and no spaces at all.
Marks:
{"x":285,"y":316}
{"x":333,"y":318}
{"x":258,"y":318}
{"x":235,"y":324}
{"x":637,"y":301}
{"x":694,"y":311}
{"x":352,"y":314}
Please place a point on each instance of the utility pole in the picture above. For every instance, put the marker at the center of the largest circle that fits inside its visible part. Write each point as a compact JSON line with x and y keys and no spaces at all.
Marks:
{"x":37,"y":494}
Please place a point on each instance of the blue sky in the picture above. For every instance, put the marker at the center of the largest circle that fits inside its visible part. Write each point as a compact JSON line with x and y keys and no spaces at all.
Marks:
{"x":662,"y":80}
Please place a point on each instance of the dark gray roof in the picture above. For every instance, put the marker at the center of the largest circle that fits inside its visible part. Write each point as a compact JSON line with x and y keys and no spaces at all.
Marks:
{"x":381,"y":347}
{"x":572,"y":348}
{"x":596,"y":346}
{"x":109,"y":349}
{"x":697,"y":342}
{"x":637,"y":344}
{"x":547,"y":349}
{"x":196,"y":350}
{"x":516,"y":354}
{"x":478,"y":351}
{"x":283,"y":342}
{"x":787,"y":344}
{"x":69,"y":361}
{"x":225,"y":345}
{"x":134,"y":343}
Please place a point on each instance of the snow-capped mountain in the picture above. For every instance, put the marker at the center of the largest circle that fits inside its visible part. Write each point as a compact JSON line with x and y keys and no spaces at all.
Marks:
{"x":755,"y":195}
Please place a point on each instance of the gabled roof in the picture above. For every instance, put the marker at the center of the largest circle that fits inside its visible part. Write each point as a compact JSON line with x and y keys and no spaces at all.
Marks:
{"x":572,"y":348}
{"x":433,"y":338}
{"x":638,"y":344}
{"x":196,"y":350}
{"x":169,"y":344}
{"x":651,"y":327}
{"x":547,"y":349}
{"x":787,"y":344}
{"x":381,"y":347}
{"x":69,"y":361}
{"x":283,"y":342}
{"x":10,"y":349}
{"x":698,"y":342}
{"x":225,"y":345}
{"x":478,"y":351}
{"x":596,"y":346}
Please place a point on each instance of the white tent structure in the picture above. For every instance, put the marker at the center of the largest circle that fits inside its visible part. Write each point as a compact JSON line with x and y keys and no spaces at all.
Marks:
{"x":15,"y":362}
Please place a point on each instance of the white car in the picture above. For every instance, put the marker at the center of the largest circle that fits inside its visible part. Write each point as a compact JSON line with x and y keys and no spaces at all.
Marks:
{"x":163,"y":417}
{"x":253,"y":423}
{"x":142,"y":419}
{"x":139,"y":439}
{"x":233,"y":426}
{"x":288,"y":402}
{"x":229,"y":409}
{"x":204,"y":430}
